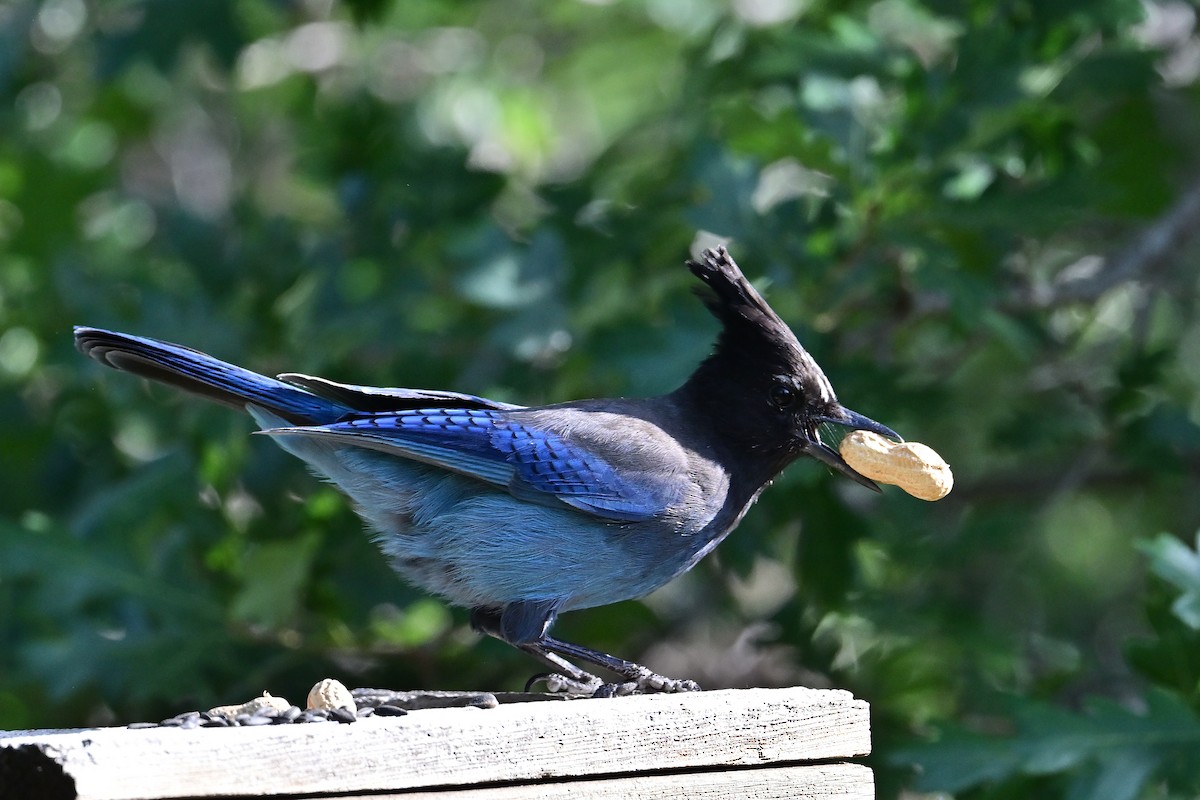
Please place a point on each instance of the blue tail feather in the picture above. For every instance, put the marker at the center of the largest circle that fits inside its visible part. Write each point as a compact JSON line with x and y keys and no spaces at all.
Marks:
{"x":204,"y":375}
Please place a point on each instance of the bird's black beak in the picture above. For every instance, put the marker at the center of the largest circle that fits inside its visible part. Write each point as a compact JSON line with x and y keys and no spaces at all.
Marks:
{"x":831,"y":457}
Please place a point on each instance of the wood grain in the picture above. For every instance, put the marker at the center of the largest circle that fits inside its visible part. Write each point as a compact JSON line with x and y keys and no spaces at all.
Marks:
{"x":454,"y":747}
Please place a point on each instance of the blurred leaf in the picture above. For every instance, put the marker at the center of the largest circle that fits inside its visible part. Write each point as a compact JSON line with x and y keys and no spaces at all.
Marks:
{"x":160,"y":29}
{"x":418,"y":624}
{"x":1178,"y":565}
{"x":1107,"y":753}
{"x":273,"y":578}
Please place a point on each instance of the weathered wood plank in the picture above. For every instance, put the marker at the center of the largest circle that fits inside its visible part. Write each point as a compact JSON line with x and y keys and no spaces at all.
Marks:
{"x":451,"y":747}
{"x":802,"y":782}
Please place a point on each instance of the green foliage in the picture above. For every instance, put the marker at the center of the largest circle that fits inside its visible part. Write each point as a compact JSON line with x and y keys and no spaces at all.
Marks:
{"x":1107,"y":752}
{"x":978,"y":216}
{"x":1170,"y":656}
{"x":1179,"y":566}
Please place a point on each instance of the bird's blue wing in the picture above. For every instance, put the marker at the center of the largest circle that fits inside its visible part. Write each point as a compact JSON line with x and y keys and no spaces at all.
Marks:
{"x":456,"y":439}
{"x":531,"y":462}
{"x":548,"y":464}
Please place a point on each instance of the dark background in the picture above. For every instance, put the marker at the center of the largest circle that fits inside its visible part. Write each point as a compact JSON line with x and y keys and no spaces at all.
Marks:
{"x":978,"y":216}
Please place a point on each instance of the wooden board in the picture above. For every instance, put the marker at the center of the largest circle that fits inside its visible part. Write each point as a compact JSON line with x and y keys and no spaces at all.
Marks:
{"x":443,"y":748}
{"x":802,"y":782}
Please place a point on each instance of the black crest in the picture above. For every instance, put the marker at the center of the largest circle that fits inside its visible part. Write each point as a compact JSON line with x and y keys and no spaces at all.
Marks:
{"x":752,"y":334}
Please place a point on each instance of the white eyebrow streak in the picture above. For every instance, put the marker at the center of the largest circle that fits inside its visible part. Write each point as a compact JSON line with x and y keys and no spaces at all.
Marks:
{"x":823,"y":386}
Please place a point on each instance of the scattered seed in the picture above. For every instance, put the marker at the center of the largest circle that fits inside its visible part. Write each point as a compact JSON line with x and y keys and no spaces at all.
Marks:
{"x":343,"y":715}
{"x":257,"y":719}
{"x":390,"y":711}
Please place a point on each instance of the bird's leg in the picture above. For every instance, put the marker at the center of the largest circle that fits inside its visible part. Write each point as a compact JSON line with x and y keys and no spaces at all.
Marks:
{"x":524,"y":625}
{"x":638,"y":679}
{"x":528,"y":621}
{"x":566,"y":678}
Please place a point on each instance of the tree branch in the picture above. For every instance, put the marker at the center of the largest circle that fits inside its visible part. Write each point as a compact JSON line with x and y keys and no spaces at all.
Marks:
{"x":1152,"y":249}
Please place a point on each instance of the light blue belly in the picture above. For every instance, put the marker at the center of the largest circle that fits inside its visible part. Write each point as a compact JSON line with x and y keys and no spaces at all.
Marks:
{"x":476,"y":545}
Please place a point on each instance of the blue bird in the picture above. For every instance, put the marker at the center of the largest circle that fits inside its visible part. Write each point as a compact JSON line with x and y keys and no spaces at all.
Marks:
{"x":521,"y":513}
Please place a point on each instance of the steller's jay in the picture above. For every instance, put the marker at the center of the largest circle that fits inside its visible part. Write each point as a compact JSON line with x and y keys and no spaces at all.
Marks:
{"x":521,"y":513}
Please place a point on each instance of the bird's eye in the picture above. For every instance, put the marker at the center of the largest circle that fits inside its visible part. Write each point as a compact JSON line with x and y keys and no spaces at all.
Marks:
{"x":782,"y":395}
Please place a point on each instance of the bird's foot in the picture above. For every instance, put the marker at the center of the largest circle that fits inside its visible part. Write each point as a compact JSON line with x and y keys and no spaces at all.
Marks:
{"x":587,"y":685}
{"x":645,"y":681}
{"x":582,"y":685}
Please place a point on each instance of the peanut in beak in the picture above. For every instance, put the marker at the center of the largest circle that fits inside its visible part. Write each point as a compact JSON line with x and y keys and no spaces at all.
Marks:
{"x":914,"y":467}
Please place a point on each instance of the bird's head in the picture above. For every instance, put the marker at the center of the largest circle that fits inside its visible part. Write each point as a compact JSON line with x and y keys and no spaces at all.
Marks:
{"x":766,"y":393}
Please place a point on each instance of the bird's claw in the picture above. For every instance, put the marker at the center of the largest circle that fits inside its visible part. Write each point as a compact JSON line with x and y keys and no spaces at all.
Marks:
{"x":646,"y":682}
{"x":556,"y":683}
{"x":586,"y":685}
